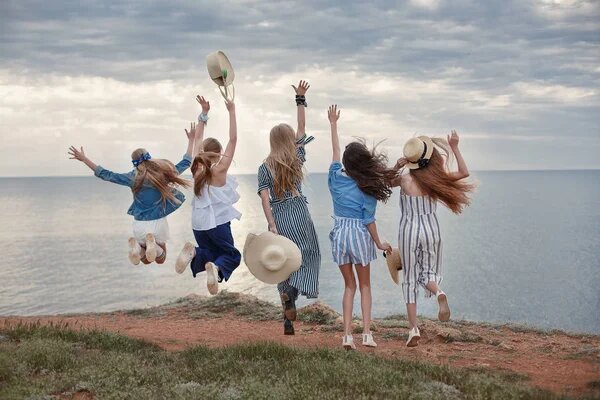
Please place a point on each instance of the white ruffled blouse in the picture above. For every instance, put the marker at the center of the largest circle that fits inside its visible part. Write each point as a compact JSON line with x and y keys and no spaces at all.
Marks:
{"x":214,"y":206}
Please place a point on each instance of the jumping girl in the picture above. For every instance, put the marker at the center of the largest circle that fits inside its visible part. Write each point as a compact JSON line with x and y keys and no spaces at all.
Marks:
{"x":212,"y":206}
{"x":419,"y":240}
{"x":280,"y":189}
{"x":153,"y":183}
{"x":355,"y":188}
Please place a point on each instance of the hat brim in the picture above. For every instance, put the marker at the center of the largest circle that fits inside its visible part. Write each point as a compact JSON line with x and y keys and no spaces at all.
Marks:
{"x":216,"y":62}
{"x":394,"y":263}
{"x":428,"y":153}
{"x":252,"y":254}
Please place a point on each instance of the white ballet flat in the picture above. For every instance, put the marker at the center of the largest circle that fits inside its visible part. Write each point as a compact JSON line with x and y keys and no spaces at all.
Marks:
{"x":444,"y":309}
{"x":348,"y":342}
{"x":134,"y":251}
{"x":211,"y":278}
{"x":413,"y":337}
{"x":151,"y":250}
{"x":185,"y":257}
{"x":368,"y":340}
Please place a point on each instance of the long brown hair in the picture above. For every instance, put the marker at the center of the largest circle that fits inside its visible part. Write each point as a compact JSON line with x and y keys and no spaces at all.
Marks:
{"x":369,"y":170}
{"x":436,"y":183}
{"x":201,"y":166}
{"x":159,"y":173}
{"x":283,"y":161}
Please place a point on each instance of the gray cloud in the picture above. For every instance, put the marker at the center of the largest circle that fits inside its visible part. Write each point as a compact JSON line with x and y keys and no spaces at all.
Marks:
{"x":505,"y":69}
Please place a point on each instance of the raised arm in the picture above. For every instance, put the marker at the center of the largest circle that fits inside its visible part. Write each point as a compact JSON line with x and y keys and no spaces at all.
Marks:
{"x":225,"y":162}
{"x":334,"y":114}
{"x":201,"y":124}
{"x":191,"y":137}
{"x":463,"y":171}
{"x":398,"y":167}
{"x":300,"y":106}
{"x":80,"y":155}
{"x":104,"y":174}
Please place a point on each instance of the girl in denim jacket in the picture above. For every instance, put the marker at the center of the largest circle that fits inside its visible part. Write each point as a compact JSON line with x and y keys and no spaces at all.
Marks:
{"x":153,"y":183}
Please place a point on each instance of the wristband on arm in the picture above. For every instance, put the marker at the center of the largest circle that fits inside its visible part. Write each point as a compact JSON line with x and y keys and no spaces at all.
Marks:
{"x":301,"y":100}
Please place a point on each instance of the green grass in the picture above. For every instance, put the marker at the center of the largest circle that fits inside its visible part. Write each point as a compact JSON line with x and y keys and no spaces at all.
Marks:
{"x":37,"y":362}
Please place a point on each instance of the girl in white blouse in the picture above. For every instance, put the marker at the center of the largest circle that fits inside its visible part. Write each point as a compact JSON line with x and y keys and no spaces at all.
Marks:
{"x":212,"y":206}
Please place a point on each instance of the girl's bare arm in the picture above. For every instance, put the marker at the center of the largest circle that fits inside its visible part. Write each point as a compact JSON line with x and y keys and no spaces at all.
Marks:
{"x":199,"y":132}
{"x":463,"y":171}
{"x":226,"y":161}
{"x":301,"y":91}
{"x":264,"y":198}
{"x":334,"y":114}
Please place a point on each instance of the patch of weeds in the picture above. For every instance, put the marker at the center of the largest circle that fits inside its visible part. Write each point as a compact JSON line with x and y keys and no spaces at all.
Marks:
{"x":392,"y":323}
{"x":394,"y":335}
{"x":594,"y":385}
{"x":228,"y":302}
{"x":318,"y":313}
{"x":587,"y":351}
{"x":46,"y":354}
{"x":146,"y":312}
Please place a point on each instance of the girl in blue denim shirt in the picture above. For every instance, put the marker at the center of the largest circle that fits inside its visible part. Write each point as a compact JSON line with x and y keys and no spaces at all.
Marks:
{"x":355,"y":188}
{"x":153,"y":183}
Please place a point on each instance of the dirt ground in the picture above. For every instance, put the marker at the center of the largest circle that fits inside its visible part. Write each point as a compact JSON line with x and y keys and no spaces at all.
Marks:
{"x":557,"y":361}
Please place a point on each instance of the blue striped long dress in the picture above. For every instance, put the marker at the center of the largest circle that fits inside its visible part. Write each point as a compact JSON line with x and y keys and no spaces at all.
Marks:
{"x":293,"y":221}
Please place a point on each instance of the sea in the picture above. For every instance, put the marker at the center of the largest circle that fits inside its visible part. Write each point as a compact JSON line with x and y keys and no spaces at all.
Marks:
{"x":526,"y":251}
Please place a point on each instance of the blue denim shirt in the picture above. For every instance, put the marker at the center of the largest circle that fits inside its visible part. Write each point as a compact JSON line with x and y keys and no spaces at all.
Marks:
{"x":348,"y":200}
{"x":147,"y":203}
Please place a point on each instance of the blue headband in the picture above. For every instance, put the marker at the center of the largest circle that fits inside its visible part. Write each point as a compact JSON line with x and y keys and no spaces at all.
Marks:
{"x":144,"y":157}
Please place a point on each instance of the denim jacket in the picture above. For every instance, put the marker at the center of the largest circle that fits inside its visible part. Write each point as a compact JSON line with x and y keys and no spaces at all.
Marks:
{"x":147,"y":203}
{"x":348,"y":200}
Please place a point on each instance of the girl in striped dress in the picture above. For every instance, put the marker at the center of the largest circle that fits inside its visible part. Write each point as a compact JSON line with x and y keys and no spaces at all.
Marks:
{"x":427,"y":182}
{"x":212,"y":206}
{"x":285,"y":207}
{"x":355,"y":188}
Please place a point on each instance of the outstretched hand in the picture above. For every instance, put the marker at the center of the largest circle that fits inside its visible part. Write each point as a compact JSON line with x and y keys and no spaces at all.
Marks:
{"x":190,"y":134}
{"x":77,"y":154}
{"x":333,"y":114}
{"x":453,"y":139}
{"x":204,"y":103}
{"x":302,"y":88}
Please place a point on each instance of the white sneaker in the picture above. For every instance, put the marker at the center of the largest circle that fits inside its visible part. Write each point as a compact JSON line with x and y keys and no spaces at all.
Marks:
{"x":413,"y":337}
{"x":134,"y":251}
{"x":151,"y":250}
{"x":185,"y":257}
{"x":211,"y":278}
{"x":444,"y":309}
{"x":368,"y":340}
{"x":348,"y":342}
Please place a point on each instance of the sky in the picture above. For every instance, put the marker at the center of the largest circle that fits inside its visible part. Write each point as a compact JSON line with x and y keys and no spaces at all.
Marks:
{"x":519,"y":80}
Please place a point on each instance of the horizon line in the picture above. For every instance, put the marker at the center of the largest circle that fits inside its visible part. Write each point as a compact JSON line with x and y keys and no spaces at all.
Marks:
{"x":324,"y":172}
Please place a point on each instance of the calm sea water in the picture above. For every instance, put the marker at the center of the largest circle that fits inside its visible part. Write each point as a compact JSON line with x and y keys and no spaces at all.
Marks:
{"x":527,"y":250}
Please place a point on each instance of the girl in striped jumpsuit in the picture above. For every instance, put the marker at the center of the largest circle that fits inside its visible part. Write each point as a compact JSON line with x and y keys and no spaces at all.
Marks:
{"x":285,"y":207}
{"x":355,"y":188}
{"x":427,"y":182}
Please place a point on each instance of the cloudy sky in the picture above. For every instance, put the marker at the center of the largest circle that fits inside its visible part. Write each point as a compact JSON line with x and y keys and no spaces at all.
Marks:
{"x":520,"y":80}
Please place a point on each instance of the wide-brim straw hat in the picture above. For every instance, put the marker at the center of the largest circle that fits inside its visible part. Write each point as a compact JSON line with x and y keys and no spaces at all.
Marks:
{"x":271,"y":258}
{"x":394,"y":263}
{"x":220,"y":68}
{"x":417,"y":149}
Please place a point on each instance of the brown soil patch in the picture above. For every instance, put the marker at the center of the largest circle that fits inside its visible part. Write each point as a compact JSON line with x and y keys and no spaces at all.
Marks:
{"x":557,"y":361}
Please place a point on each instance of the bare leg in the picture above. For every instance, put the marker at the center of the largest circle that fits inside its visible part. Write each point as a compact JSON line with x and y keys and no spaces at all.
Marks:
{"x":349,"y":291}
{"x":411,"y":311}
{"x":444,"y":309}
{"x":364,"y":283}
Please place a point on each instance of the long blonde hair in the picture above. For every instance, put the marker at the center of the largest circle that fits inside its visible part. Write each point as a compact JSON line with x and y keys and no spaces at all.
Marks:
{"x":159,"y":173}
{"x":201,"y":166}
{"x":283,"y":162}
{"x":435,"y":181}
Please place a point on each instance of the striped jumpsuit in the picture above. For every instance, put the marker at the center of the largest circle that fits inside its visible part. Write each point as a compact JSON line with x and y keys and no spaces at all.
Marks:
{"x":420,"y":245}
{"x":293,"y":221}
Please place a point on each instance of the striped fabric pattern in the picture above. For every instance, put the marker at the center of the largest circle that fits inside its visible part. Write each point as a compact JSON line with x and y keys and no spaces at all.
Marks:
{"x":351,"y":242}
{"x":420,"y":244}
{"x":293,"y":221}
